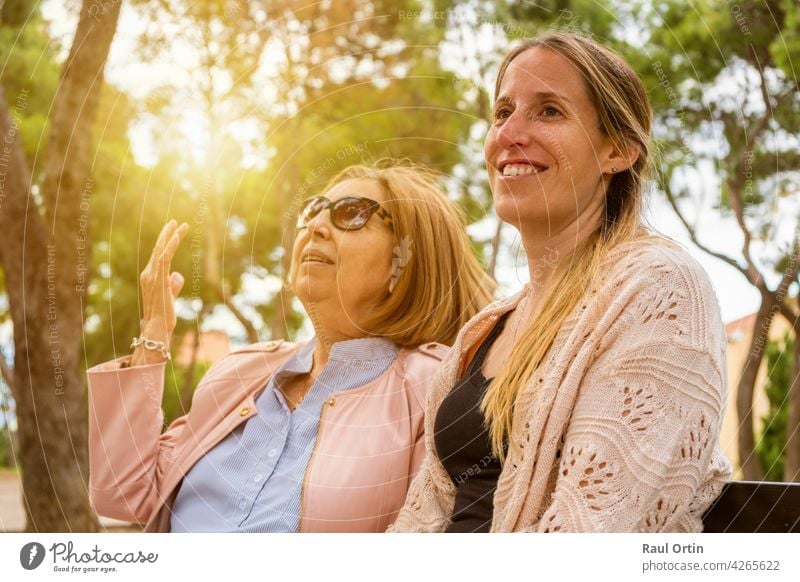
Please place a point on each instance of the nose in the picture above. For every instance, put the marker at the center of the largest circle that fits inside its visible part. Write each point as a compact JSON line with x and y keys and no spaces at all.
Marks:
{"x":515,"y":131}
{"x":320,"y":226}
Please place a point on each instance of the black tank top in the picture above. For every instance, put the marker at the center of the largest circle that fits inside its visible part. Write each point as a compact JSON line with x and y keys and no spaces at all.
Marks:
{"x":464,"y":447}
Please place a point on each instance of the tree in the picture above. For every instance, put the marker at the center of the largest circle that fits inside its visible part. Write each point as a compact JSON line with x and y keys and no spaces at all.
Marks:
{"x":791,"y":465}
{"x":44,"y":251}
{"x":478,"y":36}
{"x":327,"y":85}
{"x":771,"y":447}
{"x":366,"y":84}
{"x":724,"y":101}
{"x":689,"y":56}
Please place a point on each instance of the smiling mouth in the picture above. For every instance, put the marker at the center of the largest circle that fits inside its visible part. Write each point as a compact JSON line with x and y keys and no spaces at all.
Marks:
{"x":316,"y":259}
{"x":522,"y":169}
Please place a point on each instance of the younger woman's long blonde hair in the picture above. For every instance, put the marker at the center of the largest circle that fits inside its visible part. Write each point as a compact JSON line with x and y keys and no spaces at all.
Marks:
{"x":624,"y":114}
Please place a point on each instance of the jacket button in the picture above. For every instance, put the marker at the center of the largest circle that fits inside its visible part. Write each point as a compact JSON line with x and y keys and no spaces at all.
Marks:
{"x":244,"y":411}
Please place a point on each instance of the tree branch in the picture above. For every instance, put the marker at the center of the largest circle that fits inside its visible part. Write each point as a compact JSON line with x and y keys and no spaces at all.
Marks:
{"x":495,"y":249}
{"x":667,"y":189}
{"x":736,"y":180}
{"x":227,"y":300}
{"x":7,"y":373}
{"x":792,"y":316}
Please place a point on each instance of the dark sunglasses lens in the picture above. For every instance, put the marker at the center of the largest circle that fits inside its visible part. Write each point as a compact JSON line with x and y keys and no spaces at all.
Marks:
{"x":352,"y":213}
{"x":311,"y":208}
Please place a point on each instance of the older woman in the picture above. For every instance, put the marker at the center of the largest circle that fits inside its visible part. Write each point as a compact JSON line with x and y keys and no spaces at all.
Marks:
{"x":592,"y":399}
{"x":317,"y":436}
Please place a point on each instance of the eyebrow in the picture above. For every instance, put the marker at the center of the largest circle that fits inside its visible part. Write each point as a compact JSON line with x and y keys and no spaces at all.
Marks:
{"x":541,"y":95}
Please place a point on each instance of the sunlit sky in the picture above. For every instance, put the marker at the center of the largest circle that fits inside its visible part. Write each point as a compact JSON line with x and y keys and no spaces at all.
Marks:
{"x":737,"y":297}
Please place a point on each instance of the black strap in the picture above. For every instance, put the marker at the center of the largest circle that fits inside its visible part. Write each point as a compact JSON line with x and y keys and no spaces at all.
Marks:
{"x":477,"y":361}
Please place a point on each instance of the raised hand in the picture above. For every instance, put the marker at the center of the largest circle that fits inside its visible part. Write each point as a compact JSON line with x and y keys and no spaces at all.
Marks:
{"x":160,"y":288}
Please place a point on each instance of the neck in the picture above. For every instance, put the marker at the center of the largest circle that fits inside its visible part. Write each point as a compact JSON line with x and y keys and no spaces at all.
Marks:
{"x":549,"y":256}
{"x":327,"y":333}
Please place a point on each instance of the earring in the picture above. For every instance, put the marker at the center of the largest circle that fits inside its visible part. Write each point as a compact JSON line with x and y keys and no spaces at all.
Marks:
{"x":613,"y":169}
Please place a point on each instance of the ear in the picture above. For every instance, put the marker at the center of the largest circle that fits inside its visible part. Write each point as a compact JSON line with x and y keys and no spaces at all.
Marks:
{"x":617,"y":161}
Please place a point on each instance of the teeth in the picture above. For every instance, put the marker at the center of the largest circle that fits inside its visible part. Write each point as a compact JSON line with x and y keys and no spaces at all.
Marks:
{"x":519,"y":170}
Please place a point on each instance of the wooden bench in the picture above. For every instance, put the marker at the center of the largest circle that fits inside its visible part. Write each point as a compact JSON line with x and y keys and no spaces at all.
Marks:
{"x":755,"y":507}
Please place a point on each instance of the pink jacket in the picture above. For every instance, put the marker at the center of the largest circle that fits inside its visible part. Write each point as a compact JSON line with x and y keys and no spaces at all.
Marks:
{"x":369,"y":448}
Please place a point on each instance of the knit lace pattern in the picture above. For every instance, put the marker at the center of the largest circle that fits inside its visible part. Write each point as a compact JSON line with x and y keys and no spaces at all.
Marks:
{"x":618,"y":430}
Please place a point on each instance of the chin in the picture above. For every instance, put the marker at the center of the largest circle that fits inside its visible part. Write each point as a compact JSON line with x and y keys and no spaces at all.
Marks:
{"x":513,"y":210}
{"x":310,"y":289}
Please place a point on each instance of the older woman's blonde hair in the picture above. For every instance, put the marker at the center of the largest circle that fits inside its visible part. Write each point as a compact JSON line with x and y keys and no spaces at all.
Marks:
{"x":439,"y":284}
{"x":624,"y":115}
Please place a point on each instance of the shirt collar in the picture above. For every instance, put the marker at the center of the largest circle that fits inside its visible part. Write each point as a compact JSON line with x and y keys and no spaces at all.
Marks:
{"x":363,"y":350}
{"x":300,"y":362}
{"x":356,"y":352}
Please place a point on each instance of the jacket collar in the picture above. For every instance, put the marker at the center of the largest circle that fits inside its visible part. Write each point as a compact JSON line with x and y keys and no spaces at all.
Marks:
{"x":479,"y":327}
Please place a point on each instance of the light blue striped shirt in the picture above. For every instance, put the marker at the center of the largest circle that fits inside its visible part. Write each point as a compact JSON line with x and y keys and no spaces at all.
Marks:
{"x":252,"y":480}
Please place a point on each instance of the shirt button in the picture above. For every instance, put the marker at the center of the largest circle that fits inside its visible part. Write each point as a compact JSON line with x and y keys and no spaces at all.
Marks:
{"x":272,"y":453}
{"x":243,"y":504}
{"x":257,"y":478}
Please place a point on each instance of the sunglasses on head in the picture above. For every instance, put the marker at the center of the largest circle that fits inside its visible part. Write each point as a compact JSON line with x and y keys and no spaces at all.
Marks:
{"x":349,"y":213}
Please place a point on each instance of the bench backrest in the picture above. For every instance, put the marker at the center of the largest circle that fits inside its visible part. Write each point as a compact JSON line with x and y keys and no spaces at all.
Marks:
{"x":755,"y":507}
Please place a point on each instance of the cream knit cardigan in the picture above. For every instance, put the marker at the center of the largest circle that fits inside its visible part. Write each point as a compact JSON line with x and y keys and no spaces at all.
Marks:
{"x":619,"y":430}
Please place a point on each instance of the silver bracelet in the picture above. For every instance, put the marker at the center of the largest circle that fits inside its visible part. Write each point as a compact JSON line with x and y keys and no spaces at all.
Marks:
{"x":154,"y":345}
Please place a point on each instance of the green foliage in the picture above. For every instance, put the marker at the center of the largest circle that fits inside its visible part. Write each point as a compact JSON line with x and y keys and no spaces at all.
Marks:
{"x":389,"y":97}
{"x":174,"y":384}
{"x":785,"y":48}
{"x":352,"y":82}
{"x":29,"y":74}
{"x":15,"y":12}
{"x":701,"y":65}
{"x":366,"y":84}
{"x":770,"y":447}
{"x":526,"y":19}
{"x":124,"y":227}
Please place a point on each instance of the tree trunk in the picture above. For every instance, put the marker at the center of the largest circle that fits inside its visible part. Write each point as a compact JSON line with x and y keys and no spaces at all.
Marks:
{"x":215,"y":232}
{"x":6,"y":373}
{"x":751,"y":470}
{"x":11,"y":455}
{"x":214,"y":276}
{"x":7,"y":376}
{"x":249,"y":328}
{"x":791,"y":463}
{"x":45,"y":264}
{"x":490,"y":269}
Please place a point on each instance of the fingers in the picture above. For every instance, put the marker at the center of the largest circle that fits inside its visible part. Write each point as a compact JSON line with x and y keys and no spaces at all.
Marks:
{"x":175,"y":284}
{"x":165,"y":249}
{"x":163,"y":237}
{"x":159,"y":288}
{"x":173,"y":242}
